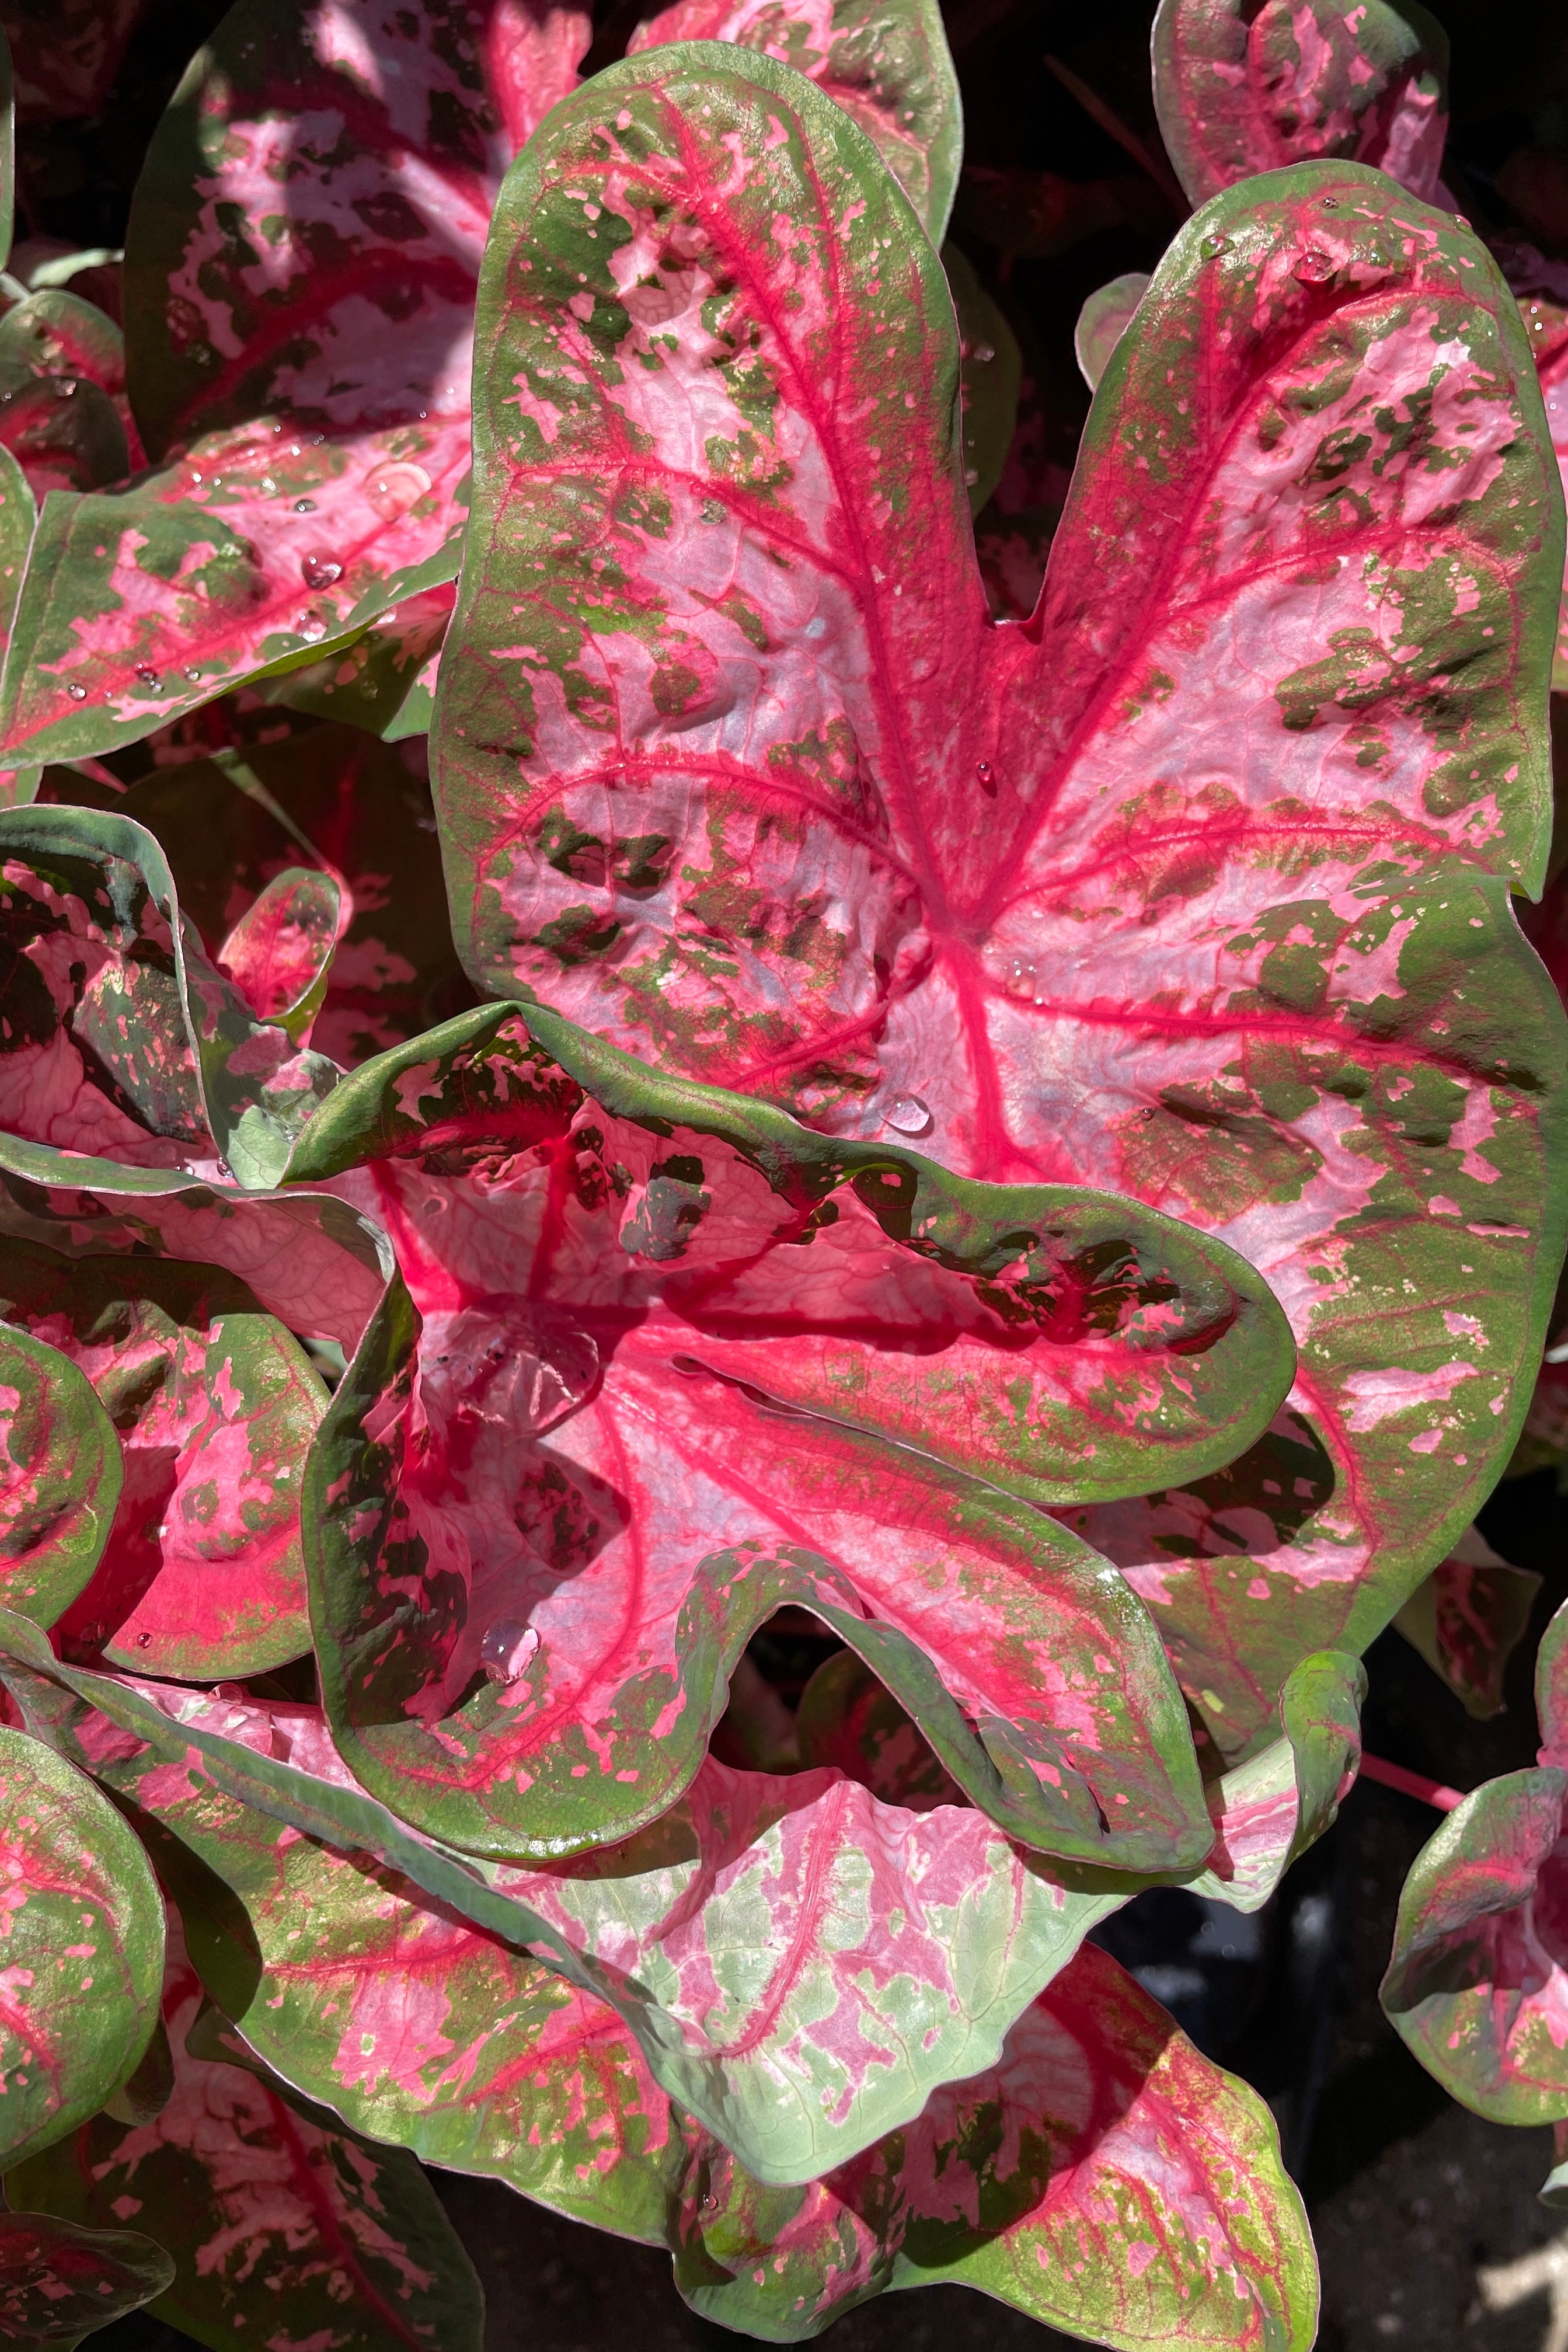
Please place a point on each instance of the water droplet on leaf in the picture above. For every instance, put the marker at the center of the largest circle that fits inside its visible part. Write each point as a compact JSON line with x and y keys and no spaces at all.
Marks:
{"x":77,"y":693}
{"x":1019,"y":979}
{"x":908,"y":1115}
{"x":1314,"y":268}
{"x":304,"y":506}
{"x":507,"y":1650}
{"x":1213,"y":246}
{"x":147,"y":675}
{"x":393,"y":489}
{"x":319,"y":570}
{"x":985,"y":775}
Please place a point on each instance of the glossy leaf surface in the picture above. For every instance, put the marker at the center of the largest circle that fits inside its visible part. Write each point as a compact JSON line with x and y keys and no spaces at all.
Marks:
{"x":60,"y":1477}
{"x":1104,"y":2178}
{"x":279,"y":953}
{"x":887,"y":65}
{"x":1103,"y":321}
{"x":126,"y":1041}
{"x":800,"y":1965}
{"x":348,"y":2243}
{"x":1242,"y":89}
{"x":59,"y":2283}
{"x":216,"y":1405}
{"x":81,"y":1946}
{"x":302,"y":322}
{"x":738,"y":772}
{"x":683,"y":1361}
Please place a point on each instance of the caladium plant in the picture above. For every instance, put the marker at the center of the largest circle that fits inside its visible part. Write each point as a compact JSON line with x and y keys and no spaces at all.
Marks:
{"x":1036,"y":1145}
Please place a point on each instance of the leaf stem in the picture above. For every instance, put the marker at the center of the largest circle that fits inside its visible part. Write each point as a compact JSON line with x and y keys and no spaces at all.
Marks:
{"x":1411,"y":1784}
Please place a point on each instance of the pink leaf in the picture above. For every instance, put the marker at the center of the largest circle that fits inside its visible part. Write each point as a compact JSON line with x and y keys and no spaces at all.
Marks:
{"x":1242,"y":89}
{"x":279,"y":953}
{"x":60,"y":1477}
{"x":1193,"y":888}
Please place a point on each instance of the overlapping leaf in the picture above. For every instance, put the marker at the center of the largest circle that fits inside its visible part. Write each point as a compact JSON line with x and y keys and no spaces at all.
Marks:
{"x":329,"y":796}
{"x":58,"y":2283}
{"x":1242,"y":89}
{"x":216,"y":1405}
{"x":1468,"y":1617}
{"x":301,"y":312}
{"x":81,"y":1946}
{"x":67,"y":57}
{"x":1195,"y":889}
{"x":125,"y":1042}
{"x":800,"y":1964}
{"x":1478,"y":1984}
{"x":348,"y":2243}
{"x":683,"y":1361}
{"x":60,"y":1477}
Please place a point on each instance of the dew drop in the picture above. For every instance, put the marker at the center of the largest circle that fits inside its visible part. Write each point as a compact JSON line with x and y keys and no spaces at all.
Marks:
{"x":195,"y":676}
{"x":77,"y":693}
{"x":312,"y":628}
{"x":507,"y":1650}
{"x":391,"y":491}
{"x":224,"y":1169}
{"x":1314,"y":268}
{"x":304,"y":506}
{"x":143,"y":1640}
{"x":984,"y":354}
{"x":1019,"y":979}
{"x":907,"y":1116}
{"x":319,"y":570}
{"x":147,"y":675}
{"x":971,"y":476}
{"x":985,"y":775}
{"x":268,"y":485}
{"x":1213,"y":246}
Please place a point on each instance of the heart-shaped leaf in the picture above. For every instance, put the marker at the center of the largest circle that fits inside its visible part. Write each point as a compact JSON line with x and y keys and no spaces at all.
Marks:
{"x":683,"y":1361}
{"x":1241,"y":89}
{"x":349,"y":2242}
{"x":216,"y":1404}
{"x":125,"y":1040}
{"x":301,"y":334}
{"x":81,"y":1954}
{"x":1193,"y":889}
{"x":58,"y":2284}
{"x":1104,"y":2178}
{"x":773,"y":1943}
{"x":1467,"y":1619}
{"x":60,"y":1477}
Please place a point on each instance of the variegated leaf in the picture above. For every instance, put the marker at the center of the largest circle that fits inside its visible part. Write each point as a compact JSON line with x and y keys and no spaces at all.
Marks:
{"x":677,"y":1361}
{"x":1197,"y":889}
{"x":800,"y":1964}
{"x":348,"y":2243}
{"x":308,"y":1258}
{"x":81,"y":1946}
{"x":1546,"y":323}
{"x":58,"y":2284}
{"x":384,"y":681}
{"x":846,"y":1717}
{"x":1272,"y":1807}
{"x":1467,"y":1619}
{"x":126,"y":1041}
{"x":990,"y":369}
{"x":1103,"y":2178}
{"x":60,"y":1477}
{"x":1477,"y":1986}
{"x":1103,"y":321}
{"x":299,"y":362}
{"x":1241,"y":89}
{"x":216,"y":1404}
{"x":336,"y":798}
{"x":886,"y":65}
{"x":279,"y":953}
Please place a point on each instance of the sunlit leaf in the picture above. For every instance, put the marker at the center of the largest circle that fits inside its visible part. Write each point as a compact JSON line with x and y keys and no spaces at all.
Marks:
{"x":1198,"y":889}
{"x":215,"y":1406}
{"x":666,"y":1362}
{"x":1241,"y":89}
{"x":348,"y":2243}
{"x":279,"y":953}
{"x":81,"y":1947}
{"x":800,"y":1964}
